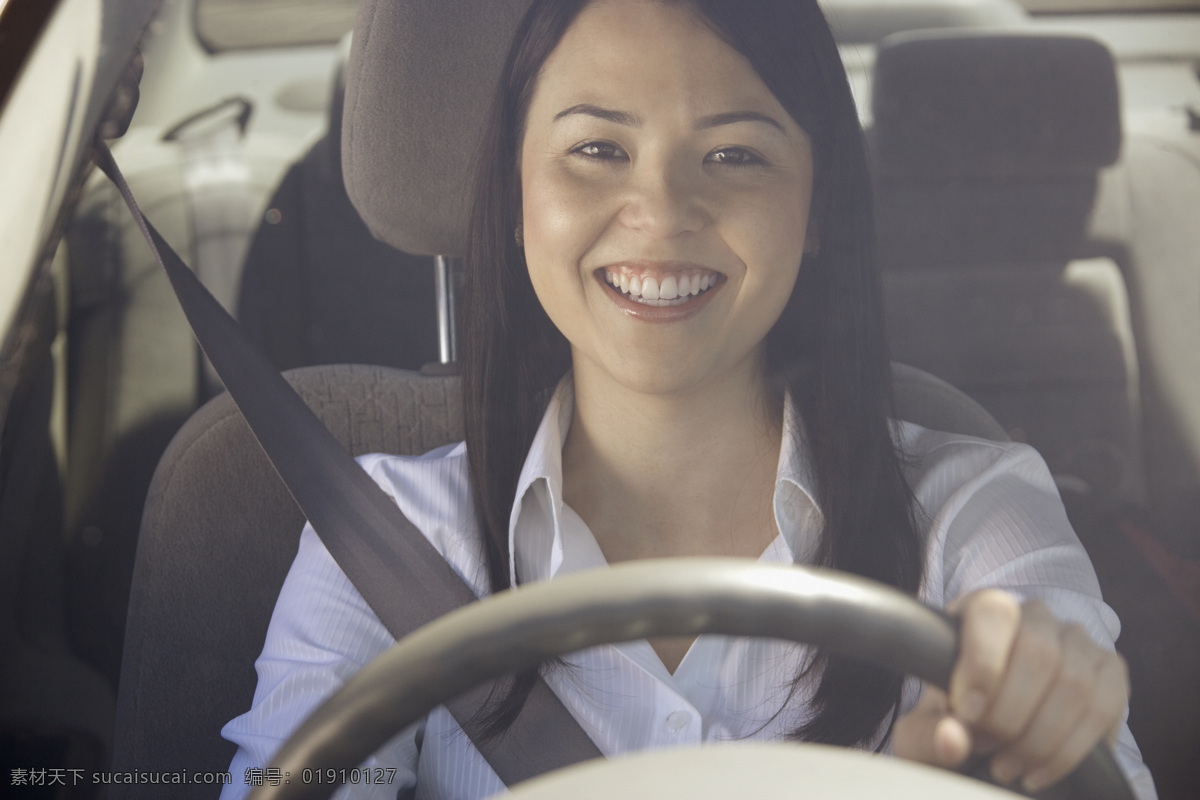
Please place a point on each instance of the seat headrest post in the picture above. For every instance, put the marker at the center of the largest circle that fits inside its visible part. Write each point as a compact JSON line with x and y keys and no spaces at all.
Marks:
{"x":446,"y":271}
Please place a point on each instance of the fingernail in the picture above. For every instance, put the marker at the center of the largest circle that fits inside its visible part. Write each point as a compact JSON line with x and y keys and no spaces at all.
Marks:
{"x":972,"y":707}
{"x":1005,"y":769}
{"x":1035,"y":782}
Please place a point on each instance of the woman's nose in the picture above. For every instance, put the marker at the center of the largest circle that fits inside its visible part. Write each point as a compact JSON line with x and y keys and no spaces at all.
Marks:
{"x":664,"y":201}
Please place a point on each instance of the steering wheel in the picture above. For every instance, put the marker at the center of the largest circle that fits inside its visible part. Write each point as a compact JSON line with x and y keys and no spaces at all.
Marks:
{"x":515,"y":630}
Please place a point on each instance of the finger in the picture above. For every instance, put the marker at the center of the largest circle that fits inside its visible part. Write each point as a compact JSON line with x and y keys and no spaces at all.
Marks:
{"x":1063,"y":711}
{"x":990,"y":620}
{"x":930,"y":735}
{"x":1115,"y":676}
{"x":1101,"y":722}
{"x":1033,"y":663}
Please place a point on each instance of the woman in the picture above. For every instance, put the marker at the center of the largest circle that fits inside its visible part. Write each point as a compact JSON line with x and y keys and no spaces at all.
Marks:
{"x":674,"y":347}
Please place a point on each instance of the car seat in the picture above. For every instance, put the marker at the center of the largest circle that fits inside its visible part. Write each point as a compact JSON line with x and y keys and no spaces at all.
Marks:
{"x":987,"y":149}
{"x":218,"y":535}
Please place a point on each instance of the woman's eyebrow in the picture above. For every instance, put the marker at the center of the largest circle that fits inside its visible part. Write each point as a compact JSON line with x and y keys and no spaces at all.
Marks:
{"x":729,"y":118}
{"x":634,"y":121}
{"x":587,"y":109}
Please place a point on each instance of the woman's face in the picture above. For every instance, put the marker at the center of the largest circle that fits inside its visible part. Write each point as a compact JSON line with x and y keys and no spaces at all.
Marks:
{"x":665,"y":199}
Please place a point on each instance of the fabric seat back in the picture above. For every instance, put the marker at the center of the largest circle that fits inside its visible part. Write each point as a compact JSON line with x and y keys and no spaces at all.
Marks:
{"x":218,"y":535}
{"x":987,"y":148}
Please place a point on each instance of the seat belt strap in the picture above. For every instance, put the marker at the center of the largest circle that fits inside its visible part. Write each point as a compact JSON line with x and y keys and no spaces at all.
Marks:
{"x":216,"y":184}
{"x":403,"y":578}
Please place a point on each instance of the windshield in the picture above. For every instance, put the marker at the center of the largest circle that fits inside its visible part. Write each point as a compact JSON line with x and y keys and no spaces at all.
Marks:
{"x":1063,"y":304}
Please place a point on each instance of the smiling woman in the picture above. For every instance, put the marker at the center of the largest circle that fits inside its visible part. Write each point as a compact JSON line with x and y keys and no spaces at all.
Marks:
{"x":718,"y":363}
{"x":637,"y":147}
{"x":682,"y":168}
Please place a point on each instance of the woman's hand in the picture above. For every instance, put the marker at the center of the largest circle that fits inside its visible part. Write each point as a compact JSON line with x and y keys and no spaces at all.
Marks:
{"x":1033,"y":693}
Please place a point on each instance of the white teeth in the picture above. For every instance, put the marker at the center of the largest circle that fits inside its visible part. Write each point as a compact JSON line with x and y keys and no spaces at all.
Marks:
{"x":672,"y":290}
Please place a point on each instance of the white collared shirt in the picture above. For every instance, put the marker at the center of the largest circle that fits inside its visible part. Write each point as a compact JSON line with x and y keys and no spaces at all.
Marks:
{"x":995,"y":521}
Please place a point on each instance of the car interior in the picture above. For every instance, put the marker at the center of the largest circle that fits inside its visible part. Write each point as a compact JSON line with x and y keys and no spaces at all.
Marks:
{"x":1037,"y":182}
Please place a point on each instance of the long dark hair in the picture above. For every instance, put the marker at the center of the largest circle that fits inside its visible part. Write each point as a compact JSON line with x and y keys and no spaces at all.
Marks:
{"x":827,"y":348}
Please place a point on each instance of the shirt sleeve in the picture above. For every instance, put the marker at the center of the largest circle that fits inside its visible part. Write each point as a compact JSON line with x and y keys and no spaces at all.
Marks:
{"x":321,"y":633}
{"x":996,"y":521}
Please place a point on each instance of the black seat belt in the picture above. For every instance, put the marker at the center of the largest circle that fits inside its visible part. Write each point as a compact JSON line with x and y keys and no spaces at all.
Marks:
{"x":403,"y":578}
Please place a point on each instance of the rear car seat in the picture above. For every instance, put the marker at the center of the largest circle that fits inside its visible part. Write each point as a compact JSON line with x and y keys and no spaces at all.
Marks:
{"x":318,"y":288}
{"x":986,"y":150}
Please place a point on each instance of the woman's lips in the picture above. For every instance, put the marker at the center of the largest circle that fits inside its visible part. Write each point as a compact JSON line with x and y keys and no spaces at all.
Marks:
{"x":660,"y":288}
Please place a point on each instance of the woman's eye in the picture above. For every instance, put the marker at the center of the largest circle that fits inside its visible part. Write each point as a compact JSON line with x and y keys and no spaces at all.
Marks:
{"x":599,"y":151}
{"x":734,"y":157}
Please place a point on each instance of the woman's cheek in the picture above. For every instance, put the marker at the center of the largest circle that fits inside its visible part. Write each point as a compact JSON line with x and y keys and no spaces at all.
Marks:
{"x":564,"y":217}
{"x":554,"y":202}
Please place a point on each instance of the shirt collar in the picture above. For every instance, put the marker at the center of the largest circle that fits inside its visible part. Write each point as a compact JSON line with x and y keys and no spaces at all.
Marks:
{"x":797,"y":514}
{"x":535,"y":531}
{"x":535,"y":542}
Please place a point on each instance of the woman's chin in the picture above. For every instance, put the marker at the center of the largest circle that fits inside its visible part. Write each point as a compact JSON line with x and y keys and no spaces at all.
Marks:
{"x":682,"y":373}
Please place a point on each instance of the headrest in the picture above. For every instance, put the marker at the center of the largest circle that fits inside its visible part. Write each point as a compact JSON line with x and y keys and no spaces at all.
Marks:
{"x":421,"y":78}
{"x":994,"y":105}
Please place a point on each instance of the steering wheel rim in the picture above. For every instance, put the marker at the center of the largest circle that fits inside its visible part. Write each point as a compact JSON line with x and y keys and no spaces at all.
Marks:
{"x":515,"y":630}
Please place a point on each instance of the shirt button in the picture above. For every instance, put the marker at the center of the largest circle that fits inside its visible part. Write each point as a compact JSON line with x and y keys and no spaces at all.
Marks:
{"x":678,"y":720}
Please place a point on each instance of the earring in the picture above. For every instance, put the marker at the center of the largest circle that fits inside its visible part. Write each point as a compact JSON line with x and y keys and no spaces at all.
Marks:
{"x":519,"y":235}
{"x":812,"y":242}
